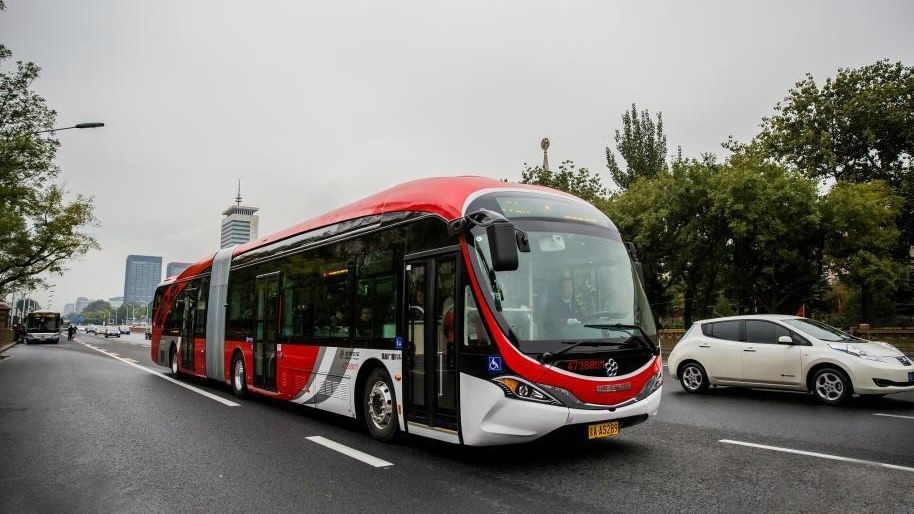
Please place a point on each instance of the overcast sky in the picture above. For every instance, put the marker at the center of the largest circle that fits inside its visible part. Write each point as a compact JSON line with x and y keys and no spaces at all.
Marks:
{"x":316,"y":104}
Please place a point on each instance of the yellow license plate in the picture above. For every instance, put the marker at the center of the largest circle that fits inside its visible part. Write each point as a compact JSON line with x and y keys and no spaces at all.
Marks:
{"x":603,"y":430}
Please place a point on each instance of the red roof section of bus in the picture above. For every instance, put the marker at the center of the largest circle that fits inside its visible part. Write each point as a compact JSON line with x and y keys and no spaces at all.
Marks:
{"x":444,"y":196}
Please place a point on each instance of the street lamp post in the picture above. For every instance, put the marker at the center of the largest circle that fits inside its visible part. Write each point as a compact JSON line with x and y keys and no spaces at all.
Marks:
{"x":94,"y":124}
{"x":127,"y":312}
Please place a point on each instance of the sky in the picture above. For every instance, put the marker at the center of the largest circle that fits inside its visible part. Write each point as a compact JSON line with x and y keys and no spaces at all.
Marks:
{"x":313,"y":105}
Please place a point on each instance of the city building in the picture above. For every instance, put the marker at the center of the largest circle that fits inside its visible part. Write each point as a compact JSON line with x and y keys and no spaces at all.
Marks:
{"x":81,"y":304}
{"x":116,"y":301}
{"x":143,"y":274}
{"x":239,"y":224}
{"x":174,"y":268}
{"x":69,"y":308}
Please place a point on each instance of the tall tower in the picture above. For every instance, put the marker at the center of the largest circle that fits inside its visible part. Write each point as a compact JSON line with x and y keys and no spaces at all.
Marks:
{"x":544,"y":144}
{"x":239,"y":224}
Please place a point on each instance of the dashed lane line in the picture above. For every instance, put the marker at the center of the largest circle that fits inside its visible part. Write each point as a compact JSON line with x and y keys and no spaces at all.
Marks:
{"x":894,"y":416}
{"x":201,"y":392}
{"x":819,"y":455}
{"x":350,"y":452}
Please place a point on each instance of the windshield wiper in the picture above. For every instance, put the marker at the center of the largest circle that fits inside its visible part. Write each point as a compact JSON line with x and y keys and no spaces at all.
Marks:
{"x":547,"y":357}
{"x":493,"y":282}
{"x":642,"y":334}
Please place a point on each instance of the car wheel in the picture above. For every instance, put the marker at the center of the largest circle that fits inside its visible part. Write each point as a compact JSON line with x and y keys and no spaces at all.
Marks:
{"x":239,"y":378}
{"x":173,"y":361}
{"x":693,"y":378}
{"x":831,"y":386}
{"x":379,"y":406}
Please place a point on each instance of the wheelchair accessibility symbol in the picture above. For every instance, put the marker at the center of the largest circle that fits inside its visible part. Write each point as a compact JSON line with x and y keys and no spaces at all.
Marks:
{"x":494,"y":363}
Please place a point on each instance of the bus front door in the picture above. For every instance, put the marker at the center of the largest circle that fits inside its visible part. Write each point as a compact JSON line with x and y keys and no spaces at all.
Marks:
{"x":429,"y":359}
{"x":265,"y":330}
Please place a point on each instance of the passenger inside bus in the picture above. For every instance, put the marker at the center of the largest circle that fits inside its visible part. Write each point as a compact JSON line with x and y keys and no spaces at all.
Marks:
{"x":364,"y":326}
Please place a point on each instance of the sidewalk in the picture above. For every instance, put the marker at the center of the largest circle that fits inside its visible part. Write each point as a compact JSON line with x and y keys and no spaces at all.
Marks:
{"x":6,"y":346}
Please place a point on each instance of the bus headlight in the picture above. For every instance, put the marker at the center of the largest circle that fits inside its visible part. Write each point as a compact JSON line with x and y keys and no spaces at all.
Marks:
{"x":515,"y":387}
{"x":651,"y":385}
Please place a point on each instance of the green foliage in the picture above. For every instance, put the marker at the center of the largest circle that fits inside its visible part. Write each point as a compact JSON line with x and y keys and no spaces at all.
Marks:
{"x":860,"y":232}
{"x":642,"y":144}
{"x":27,"y":304}
{"x":98,"y":305}
{"x":678,"y":235}
{"x":856,"y":127}
{"x":773,"y":234}
{"x":576,"y":181}
{"x":40,"y":230}
{"x":739,"y":236}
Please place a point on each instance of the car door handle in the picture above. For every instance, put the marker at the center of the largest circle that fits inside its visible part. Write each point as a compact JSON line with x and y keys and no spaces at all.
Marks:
{"x":748,"y":349}
{"x":704,"y":346}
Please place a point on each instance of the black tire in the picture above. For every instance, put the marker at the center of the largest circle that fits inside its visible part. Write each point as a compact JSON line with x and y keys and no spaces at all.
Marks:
{"x":693,"y":378}
{"x":239,"y":377}
{"x":831,"y":386}
{"x":173,"y":362}
{"x":379,"y":406}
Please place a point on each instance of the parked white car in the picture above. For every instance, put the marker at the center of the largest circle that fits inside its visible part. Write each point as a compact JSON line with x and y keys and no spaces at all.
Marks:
{"x":787,"y":352}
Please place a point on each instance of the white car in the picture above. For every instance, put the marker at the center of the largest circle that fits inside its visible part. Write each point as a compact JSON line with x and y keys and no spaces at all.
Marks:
{"x":787,"y":352}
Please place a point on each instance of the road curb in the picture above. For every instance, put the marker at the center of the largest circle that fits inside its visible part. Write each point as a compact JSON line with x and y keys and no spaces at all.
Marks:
{"x":7,"y":346}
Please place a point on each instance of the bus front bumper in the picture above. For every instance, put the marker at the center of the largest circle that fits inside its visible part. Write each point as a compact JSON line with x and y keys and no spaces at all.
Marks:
{"x":490,"y":418}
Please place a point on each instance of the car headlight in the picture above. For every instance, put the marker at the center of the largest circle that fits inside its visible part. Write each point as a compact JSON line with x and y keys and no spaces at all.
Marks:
{"x":515,"y":387}
{"x":856,"y":351}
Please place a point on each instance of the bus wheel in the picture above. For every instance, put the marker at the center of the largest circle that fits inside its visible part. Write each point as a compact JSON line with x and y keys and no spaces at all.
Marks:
{"x":380,"y":406}
{"x":173,"y":361}
{"x":239,"y":380}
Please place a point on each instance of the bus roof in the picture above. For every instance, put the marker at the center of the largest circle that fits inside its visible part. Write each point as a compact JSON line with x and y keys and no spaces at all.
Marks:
{"x":444,"y":196}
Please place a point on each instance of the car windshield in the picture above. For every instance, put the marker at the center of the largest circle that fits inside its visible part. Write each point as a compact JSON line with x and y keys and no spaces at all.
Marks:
{"x":820,"y":330}
{"x":576,"y":283}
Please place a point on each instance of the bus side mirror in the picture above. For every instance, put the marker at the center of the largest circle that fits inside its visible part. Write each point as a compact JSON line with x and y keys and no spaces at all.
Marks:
{"x":502,"y":246}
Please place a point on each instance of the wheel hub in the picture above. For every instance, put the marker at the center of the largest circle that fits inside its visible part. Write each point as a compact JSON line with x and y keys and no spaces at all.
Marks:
{"x":380,"y":405}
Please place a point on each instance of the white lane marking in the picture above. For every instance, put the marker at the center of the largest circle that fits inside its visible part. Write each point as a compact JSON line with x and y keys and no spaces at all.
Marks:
{"x":819,"y":455}
{"x":345,"y":450}
{"x":894,"y":416}
{"x":128,"y":359}
{"x":207,"y":394}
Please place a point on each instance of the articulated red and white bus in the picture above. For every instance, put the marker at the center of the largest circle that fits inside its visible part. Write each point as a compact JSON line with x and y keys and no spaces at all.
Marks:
{"x":467,"y":310}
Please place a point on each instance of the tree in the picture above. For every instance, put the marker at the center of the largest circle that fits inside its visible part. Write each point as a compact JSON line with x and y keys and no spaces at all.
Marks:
{"x":774,"y":238}
{"x":856,"y":127}
{"x":860,"y":232}
{"x":576,"y":181}
{"x":27,"y":304}
{"x":680,"y":237}
{"x":40,"y":230}
{"x":642,"y":144}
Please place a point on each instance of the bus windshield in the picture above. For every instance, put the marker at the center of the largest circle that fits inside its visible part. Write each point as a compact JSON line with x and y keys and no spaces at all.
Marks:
{"x":42,"y":322}
{"x":576,"y":284}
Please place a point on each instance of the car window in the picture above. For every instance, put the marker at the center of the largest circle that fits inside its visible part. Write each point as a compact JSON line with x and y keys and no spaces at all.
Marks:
{"x":765,"y":332}
{"x":722,"y":330}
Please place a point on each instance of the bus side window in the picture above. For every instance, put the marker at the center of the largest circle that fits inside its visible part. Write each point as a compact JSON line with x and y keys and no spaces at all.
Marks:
{"x":475,"y":337}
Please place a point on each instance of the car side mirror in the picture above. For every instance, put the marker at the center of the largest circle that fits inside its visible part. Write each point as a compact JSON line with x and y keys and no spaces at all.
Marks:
{"x":785,"y":340}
